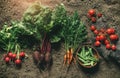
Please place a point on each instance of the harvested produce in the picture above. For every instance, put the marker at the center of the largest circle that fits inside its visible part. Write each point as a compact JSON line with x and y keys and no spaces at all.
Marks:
{"x":107,"y":37}
{"x":73,"y":32}
{"x":93,"y":16}
{"x":46,"y":25}
{"x":87,"y":56}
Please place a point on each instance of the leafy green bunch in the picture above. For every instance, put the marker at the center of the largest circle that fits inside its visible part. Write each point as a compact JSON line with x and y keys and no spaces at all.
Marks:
{"x":74,"y":32}
{"x":10,"y":34}
{"x":43,"y":20}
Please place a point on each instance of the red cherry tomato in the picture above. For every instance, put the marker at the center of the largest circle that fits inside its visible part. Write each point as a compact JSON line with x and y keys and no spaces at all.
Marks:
{"x":7,"y":59}
{"x":113,"y":47}
{"x":92,"y":28}
{"x":18,"y":62}
{"x":102,"y":37}
{"x":108,"y":46}
{"x":91,"y":12}
{"x":106,"y":42}
{"x":102,"y":30}
{"x":97,"y":38}
{"x":96,"y":32}
{"x":93,"y":19}
{"x":99,"y":15}
{"x":97,"y":43}
{"x":110,"y":31}
{"x":113,"y":37}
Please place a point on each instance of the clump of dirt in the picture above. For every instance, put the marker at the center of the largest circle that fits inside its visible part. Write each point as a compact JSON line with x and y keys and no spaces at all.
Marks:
{"x":14,"y":9}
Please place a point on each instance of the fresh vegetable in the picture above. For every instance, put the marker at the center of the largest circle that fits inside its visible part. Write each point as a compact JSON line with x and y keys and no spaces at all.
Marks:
{"x":74,"y":32}
{"x":108,"y":46}
{"x":106,"y":42}
{"x":7,"y":59}
{"x":18,"y":62}
{"x":110,"y":31}
{"x":93,"y":19}
{"x":91,"y":12}
{"x":113,"y":37}
{"x":92,"y":28}
{"x":102,"y":37}
{"x":96,"y":32}
{"x":99,"y":15}
{"x":22,"y":54}
{"x":36,"y":57}
{"x":107,"y":37}
{"x":97,"y":38}
{"x":86,"y":56}
{"x":14,"y":56}
{"x":113,"y":47}
{"x":97,"y":43}
{"x":10,"y":54}
{"x":46,"y":25}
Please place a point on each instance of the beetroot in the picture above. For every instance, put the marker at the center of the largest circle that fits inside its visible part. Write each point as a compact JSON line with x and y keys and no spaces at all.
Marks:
{"x":36,"y":56}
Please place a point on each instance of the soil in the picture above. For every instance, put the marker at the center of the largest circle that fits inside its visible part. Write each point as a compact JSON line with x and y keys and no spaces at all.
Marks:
{"x":107,"y":68}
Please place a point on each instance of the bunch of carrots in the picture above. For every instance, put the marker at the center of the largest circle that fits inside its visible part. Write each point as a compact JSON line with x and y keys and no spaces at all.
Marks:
{"x":68,"y":57}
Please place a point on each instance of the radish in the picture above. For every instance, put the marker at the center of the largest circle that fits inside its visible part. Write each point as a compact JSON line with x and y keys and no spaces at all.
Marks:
{"x":10,"y":54}
{"x":14,"y":56}
{"x":22,"y":55}
{"x":18,"y":62}
{"x":7,"y":59}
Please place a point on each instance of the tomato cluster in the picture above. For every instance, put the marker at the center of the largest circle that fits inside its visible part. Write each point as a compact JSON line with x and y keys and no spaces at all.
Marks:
{"x":93,"y":16}
{"x":108,"y":37}
{"x":13,"y":57}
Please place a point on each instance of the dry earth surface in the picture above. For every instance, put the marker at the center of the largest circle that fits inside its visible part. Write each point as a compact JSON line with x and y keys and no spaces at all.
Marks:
{"x":14,"y":9}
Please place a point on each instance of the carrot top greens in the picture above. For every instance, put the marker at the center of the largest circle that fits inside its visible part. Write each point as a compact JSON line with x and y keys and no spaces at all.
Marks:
{"x":74,"y":32}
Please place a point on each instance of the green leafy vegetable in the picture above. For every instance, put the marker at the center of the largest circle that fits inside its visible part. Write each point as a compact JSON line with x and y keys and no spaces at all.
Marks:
{"x":74,"y":32}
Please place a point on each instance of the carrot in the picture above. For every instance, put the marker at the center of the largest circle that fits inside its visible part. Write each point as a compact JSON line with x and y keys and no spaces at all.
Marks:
{"x":71,"y":57}
{"x":65,"y":59}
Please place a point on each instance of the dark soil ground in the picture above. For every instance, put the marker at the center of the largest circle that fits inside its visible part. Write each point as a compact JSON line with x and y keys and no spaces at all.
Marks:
{"x":107,"y":68}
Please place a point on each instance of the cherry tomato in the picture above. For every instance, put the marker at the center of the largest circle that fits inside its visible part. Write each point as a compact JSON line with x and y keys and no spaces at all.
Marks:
{"x":102,"y":30}
{"x":113,"y":47}
{"x":92,"y":28}
{"x":102,"y":37}
{"x":113,"y":37}
{"x":93,"y":19}
{"x":10,"y":54}
{"x":96,"y":32}
{"x":22,"y":54}
{"x":97,"y":43}
{"x":97,"y":38}
{"x":99,"y":15}
{"x":89,"y":16}
{"x":108,"y":46}
{"x":91,"y":12}
{"x":106,"y":42}
{"x":7,"y":59}
{"x":110,"y":31}
{"x":18,"y":62}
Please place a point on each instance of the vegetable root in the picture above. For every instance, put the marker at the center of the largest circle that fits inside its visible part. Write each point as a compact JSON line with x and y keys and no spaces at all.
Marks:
{"x":36,"y":56}
{"x":68,"y":57}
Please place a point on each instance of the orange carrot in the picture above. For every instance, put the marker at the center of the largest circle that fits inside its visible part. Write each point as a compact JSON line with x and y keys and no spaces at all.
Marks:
{"x":65,"y":59}
{"x":68,"y":54}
